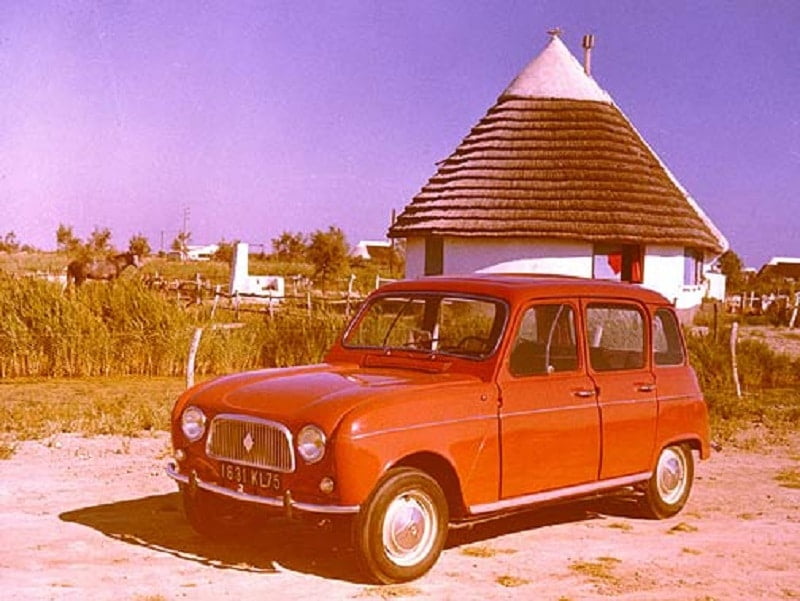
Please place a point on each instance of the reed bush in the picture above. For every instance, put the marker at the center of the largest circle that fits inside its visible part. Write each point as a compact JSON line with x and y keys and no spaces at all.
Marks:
{"x":290,"y":337}
{"x":98,"y":329}
{"x":124,"y":328}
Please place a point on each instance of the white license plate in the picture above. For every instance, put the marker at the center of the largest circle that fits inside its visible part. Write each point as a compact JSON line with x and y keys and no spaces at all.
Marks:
{"x":251,"y":477}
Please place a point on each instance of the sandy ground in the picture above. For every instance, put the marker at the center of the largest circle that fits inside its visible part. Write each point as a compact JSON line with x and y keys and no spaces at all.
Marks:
{"x":97,"y":518}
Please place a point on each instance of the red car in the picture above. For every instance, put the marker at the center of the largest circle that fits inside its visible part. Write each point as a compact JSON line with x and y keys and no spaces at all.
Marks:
{"x":446,"y":400}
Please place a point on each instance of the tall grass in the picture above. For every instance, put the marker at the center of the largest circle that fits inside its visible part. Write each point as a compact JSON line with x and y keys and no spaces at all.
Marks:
{"x":124,"y":328}
{"x":770,"y":383}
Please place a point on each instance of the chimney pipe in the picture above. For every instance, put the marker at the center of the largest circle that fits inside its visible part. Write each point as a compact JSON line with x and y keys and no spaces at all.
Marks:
{"x":588,"y":44}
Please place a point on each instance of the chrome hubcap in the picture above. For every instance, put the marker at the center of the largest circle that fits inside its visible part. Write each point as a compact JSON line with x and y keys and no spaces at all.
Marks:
{"x":671,"y":476}
{"x":409,"y":528}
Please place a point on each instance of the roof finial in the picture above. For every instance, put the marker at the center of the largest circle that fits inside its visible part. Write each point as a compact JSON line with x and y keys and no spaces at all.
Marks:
{"x":588,"y":44}
{"x":555,"y":32}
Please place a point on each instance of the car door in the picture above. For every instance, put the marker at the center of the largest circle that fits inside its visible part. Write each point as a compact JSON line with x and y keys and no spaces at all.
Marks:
{"x":681,"y":412}
{"x":617,"y":333}
{"x":549,"y":421}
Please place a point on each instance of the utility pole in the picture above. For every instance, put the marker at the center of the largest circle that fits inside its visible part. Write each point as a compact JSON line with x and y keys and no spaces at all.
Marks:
{"x":185,"y":219}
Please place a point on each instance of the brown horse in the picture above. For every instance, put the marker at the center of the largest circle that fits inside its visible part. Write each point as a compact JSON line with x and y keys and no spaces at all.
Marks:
{"x":100,"y":269}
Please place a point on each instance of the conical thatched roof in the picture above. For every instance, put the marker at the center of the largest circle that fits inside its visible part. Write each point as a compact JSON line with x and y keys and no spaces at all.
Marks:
{"x":556,"y":158}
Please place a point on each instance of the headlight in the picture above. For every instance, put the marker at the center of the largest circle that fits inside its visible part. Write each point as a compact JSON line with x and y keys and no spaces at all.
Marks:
{"x":193,"y":423}
{"x":311,"y":443}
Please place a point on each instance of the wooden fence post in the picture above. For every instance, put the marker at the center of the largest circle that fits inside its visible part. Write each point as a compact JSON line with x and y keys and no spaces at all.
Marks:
{"x":349,"y":293}
{"x":716,"y":320}
{"x":198,"y":333}
{"x":793,"y":319}
{"x":734,"y":366}
{"x":216,"y":301}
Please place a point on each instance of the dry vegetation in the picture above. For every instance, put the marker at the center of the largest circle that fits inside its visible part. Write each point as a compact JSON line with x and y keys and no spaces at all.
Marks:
{"x":125,"y":329}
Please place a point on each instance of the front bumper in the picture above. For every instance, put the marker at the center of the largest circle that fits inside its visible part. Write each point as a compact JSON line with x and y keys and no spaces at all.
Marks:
{"x":287,"y":503}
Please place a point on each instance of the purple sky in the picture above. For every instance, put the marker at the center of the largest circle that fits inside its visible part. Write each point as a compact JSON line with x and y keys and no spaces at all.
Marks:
{"x":260,"y":117}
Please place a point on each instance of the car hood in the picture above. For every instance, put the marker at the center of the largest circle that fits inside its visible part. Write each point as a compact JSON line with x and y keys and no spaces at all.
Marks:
{"x":321,"y":394}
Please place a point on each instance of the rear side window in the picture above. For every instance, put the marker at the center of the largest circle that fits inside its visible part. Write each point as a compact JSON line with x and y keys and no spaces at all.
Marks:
{"x":545,"y":342}
{"x":667,"y":345}
{"x":616,"y":337}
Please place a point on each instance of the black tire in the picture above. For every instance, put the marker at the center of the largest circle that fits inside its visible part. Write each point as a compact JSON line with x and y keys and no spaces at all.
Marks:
{"x":669,"y":486}
{"x":215,"y":518}
{"x":401,"y":529}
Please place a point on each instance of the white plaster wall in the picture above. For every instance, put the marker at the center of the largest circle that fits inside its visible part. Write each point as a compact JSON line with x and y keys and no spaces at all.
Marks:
{"x":467,"y":255}
{"x":663,"y":270}
{"x":663,"y":265}
{"x":517,"y":255}
{"x":716,"y":284}
{"x":415,"y":257}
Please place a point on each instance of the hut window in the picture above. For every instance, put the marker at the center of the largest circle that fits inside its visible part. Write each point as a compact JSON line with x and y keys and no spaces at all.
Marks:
{"x":692,"y":267}
{"x":622,"y":262}
{"x":434,"y":255}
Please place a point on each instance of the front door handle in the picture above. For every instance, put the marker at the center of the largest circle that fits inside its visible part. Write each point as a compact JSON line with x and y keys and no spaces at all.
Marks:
{"x":583,"y":394}
{"x":646,"y":387}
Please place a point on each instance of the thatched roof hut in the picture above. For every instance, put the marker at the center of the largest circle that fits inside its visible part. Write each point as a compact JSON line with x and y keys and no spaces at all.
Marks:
{"x":555,"y":158}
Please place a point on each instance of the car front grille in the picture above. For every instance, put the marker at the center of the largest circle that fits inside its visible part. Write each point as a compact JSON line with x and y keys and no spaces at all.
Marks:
{"x":251,"y":441}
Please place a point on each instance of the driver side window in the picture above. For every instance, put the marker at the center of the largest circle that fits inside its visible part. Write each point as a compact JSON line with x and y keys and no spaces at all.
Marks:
{"x":545,"y":342}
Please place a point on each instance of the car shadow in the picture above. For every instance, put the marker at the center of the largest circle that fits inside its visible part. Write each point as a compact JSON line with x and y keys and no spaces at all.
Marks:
{"x":623,"y":505}
{"x":157,"y":522}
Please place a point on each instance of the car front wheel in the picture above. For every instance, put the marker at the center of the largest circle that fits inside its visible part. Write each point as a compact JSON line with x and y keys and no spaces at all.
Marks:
{"x":668,"y":488}
{"x":402,"y":528}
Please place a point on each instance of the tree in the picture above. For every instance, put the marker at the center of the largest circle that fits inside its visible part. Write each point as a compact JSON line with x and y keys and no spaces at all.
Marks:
{"x":9,"y":243}
{"x":328,"y":252}
{"x":289,"y":247}
{"x":139,"y":245}
{"x":66,"y":240}
{"x":99,"y":240}
{"x":730,"y":265}
{"x":225,"y":251}
{"x":181,"y":243}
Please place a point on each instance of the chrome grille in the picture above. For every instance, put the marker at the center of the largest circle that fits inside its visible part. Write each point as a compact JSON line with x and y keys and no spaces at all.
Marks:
{"x":251,"y":441}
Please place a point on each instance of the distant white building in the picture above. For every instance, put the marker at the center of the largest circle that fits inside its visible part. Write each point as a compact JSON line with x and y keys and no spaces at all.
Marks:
{"x":371,"y":249}
{"x":556,"y":179}
{"x":194,"y":252}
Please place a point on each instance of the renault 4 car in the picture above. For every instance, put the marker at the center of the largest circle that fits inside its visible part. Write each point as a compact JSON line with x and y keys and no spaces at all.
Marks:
{"x":448,"y":400}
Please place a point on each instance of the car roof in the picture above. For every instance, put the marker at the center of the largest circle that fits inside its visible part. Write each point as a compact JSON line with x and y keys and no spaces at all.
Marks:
{"x":520,"y":286}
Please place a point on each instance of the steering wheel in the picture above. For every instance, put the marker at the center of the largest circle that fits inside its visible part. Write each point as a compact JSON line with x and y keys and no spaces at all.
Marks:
{"x":473,"y":344}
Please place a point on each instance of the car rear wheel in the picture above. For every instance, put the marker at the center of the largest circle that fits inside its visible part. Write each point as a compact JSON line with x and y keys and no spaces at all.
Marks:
{"x":669,"y":486}
{"x":402,"y":528}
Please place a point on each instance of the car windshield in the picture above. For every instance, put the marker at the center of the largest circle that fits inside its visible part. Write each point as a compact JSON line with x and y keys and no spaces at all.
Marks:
{"x":455,"y":325}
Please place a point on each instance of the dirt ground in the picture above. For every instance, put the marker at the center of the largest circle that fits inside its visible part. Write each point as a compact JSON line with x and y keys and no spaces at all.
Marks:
{"x":89,"y":519}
